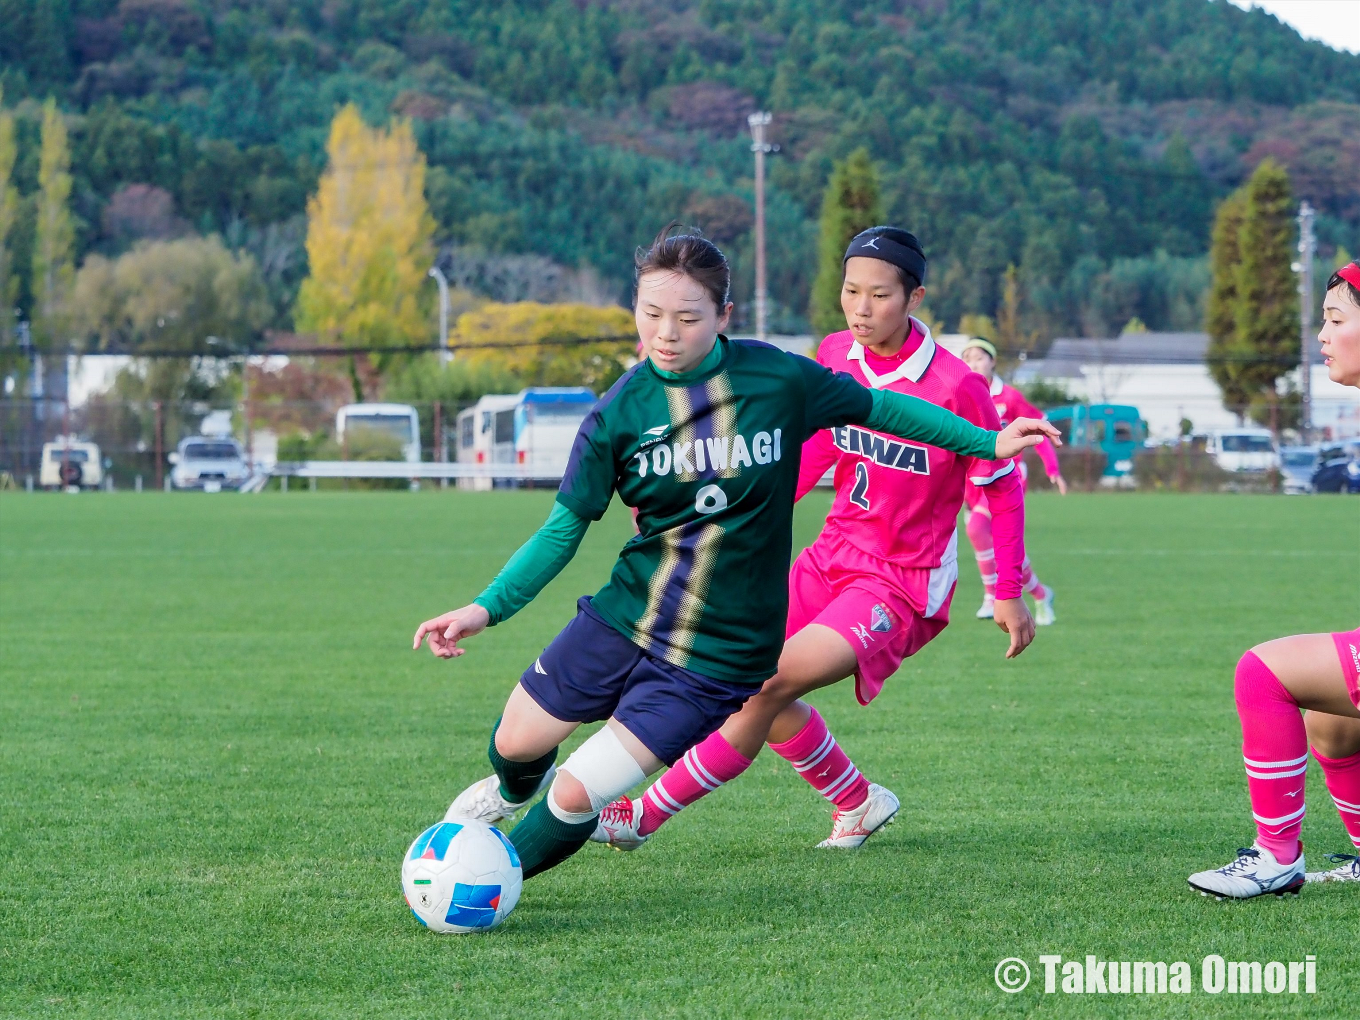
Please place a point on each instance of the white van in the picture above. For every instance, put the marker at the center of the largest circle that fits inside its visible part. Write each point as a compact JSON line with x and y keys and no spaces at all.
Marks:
{"x":486,"y":435}
{"x":70,"y":463}
{"x":1244,"y":450}
{"x":397,"y":420}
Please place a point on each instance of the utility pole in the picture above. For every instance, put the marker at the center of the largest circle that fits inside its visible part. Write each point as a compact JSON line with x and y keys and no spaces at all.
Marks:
{"x":1307,"y":248}
{"x":445,"y":355}
{"x":759,"y":122}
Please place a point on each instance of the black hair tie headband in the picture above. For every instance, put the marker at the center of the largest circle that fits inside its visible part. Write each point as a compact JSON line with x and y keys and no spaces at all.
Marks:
{"x":885,"y":249}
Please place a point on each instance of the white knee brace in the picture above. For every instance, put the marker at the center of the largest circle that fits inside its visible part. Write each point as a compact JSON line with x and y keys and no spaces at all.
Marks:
{"x":605,"y":768}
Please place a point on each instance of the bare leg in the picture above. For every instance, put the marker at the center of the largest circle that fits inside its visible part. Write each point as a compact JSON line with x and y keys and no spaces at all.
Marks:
{"x":1308,"y":668}
{"x":1332,"y":735}
{"x":527,"y":731}
{"x":815,"y":657}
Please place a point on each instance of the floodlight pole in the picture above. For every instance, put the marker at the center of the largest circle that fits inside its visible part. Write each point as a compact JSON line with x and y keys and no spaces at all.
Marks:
{"x":445,"y":355}
{"x":758,"y":123}
{"x":1307,"y":248}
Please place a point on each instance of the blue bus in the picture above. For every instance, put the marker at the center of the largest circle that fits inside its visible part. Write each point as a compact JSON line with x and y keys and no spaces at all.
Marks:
{"x":1116,"y":429}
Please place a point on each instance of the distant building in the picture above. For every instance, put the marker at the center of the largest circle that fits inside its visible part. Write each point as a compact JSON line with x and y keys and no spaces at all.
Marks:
{"x":1165,"y":376}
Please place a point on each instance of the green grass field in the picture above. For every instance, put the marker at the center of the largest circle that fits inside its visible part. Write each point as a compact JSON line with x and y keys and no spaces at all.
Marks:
{"x":215,"y":745}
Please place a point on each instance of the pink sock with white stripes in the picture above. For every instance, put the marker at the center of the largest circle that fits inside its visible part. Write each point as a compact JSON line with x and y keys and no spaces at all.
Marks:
{"x":1275,"y":748}
{"x":979,"y":529}
{"x":820,"y":760}
{"x":1343,"y":783}
{"x":1030,"y":582}
{"x":701,"y":770}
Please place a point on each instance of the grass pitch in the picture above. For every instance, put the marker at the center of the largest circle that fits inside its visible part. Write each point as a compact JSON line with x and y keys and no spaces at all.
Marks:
{"x":215,"y":745}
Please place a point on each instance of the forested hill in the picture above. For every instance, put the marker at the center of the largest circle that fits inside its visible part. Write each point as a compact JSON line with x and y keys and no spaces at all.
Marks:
{"x":1084,"y":141}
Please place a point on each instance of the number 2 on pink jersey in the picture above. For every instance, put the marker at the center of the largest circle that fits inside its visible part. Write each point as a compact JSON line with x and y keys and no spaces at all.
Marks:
{"x":859,"y":495}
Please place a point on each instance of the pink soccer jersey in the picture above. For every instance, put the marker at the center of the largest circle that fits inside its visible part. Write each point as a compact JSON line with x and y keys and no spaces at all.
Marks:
{"x":1010,"y":404}
{"x":900,"y":501}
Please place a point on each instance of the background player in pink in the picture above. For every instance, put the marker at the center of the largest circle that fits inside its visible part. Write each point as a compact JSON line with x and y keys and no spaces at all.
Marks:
{"x":1010,"y":404}
{"x":1316,"y":672}
{"x":876,"y":585}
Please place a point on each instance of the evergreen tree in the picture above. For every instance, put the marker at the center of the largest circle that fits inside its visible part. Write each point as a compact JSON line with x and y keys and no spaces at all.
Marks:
{"x":849,"y":205}
{"x":9,"y":211}
{"x":1220,"y":320}
{"x":369,"y":246}
{"x":1266,"y":309}
{"x":54,"y":243}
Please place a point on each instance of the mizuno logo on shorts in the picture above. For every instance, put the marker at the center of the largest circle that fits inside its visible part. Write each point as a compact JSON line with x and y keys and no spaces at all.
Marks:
{"x":885,"y":452}
{"x":538,"y":667}
{"x":861,"y":632}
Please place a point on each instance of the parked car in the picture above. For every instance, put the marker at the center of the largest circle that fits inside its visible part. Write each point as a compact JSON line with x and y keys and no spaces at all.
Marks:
{"x":209,"y":463}
{"x":68,"y":463}
{"x":1297,"y":464}
{"x":1338,"y":469}
{"x":1244,"y":450}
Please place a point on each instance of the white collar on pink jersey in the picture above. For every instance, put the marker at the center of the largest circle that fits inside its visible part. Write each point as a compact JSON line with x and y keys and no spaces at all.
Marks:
{"x":998,"y":384}
{"x":913,"y":368}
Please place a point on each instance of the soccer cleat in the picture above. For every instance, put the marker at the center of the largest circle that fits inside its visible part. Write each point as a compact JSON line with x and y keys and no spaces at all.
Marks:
{"x":850,"y":829}
{"x":1254,"y":873}
{"x":1043,"y":610}
{"x":483,"y":801}
{"x":1348,"y":869}
{"x":618,"y":825}
{"x":986,"y":610}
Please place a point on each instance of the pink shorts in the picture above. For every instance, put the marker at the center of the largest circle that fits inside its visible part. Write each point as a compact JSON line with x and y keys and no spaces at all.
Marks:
{"x":876,"y":606}
{"x":1348,"y":648}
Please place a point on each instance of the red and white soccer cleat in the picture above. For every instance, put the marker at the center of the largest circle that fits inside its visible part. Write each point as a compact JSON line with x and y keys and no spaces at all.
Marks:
{"x":850,"y":829}
{"x":618,"y":825}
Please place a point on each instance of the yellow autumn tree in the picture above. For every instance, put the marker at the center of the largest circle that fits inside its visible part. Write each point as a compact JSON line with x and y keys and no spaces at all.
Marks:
{"x":549,"y":345}
{"x":9,"y":213}
{"x":369,"y":247}
{"x":54,"y":235}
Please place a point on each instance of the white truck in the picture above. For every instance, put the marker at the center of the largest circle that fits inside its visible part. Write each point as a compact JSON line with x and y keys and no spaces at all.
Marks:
{"x":1243,"y":450}
{"x":70,"y":463}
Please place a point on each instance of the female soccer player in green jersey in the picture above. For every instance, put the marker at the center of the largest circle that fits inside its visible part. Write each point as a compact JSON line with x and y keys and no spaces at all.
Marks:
{"x":703,"y":438}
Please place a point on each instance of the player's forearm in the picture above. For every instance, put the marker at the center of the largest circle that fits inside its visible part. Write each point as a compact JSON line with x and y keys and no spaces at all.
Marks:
{"x":921,"y":421}
{"x":1006,"y":501}
{"x":536,"y":563}
{"x":1049,"y":456}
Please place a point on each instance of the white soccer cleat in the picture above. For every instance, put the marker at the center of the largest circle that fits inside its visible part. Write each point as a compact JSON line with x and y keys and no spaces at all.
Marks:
{"x":1254,"y":873}
{"x":849,"y":829}
{"x":483,"y":801}
{"x":1043,"y":610}
{"x":618,"y":825}
{"x":988,"y":608}
{"x":1348,"y":869}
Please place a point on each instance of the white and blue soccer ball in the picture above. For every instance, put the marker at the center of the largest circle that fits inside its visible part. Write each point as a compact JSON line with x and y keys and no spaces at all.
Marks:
{"x":461,"y":875}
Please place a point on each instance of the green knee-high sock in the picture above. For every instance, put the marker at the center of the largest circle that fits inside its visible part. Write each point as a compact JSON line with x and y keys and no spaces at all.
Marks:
{"x":519,"y":779}
{"x":544,"y":841}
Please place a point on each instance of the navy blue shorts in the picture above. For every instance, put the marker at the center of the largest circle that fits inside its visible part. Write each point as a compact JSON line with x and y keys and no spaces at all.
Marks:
{"x":591,"y":672}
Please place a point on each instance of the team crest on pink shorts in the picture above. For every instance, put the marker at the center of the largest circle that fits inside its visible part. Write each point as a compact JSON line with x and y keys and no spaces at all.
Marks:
{"x":881,"y":620}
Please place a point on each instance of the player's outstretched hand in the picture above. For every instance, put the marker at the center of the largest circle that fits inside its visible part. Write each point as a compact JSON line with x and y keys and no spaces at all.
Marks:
{"x":1023,"y":433}
{"x":446,"y":631}
{"x":1012,"y":616}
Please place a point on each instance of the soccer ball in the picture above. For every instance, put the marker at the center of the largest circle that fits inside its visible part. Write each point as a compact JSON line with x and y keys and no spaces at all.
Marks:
{"x":461,"y":876}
